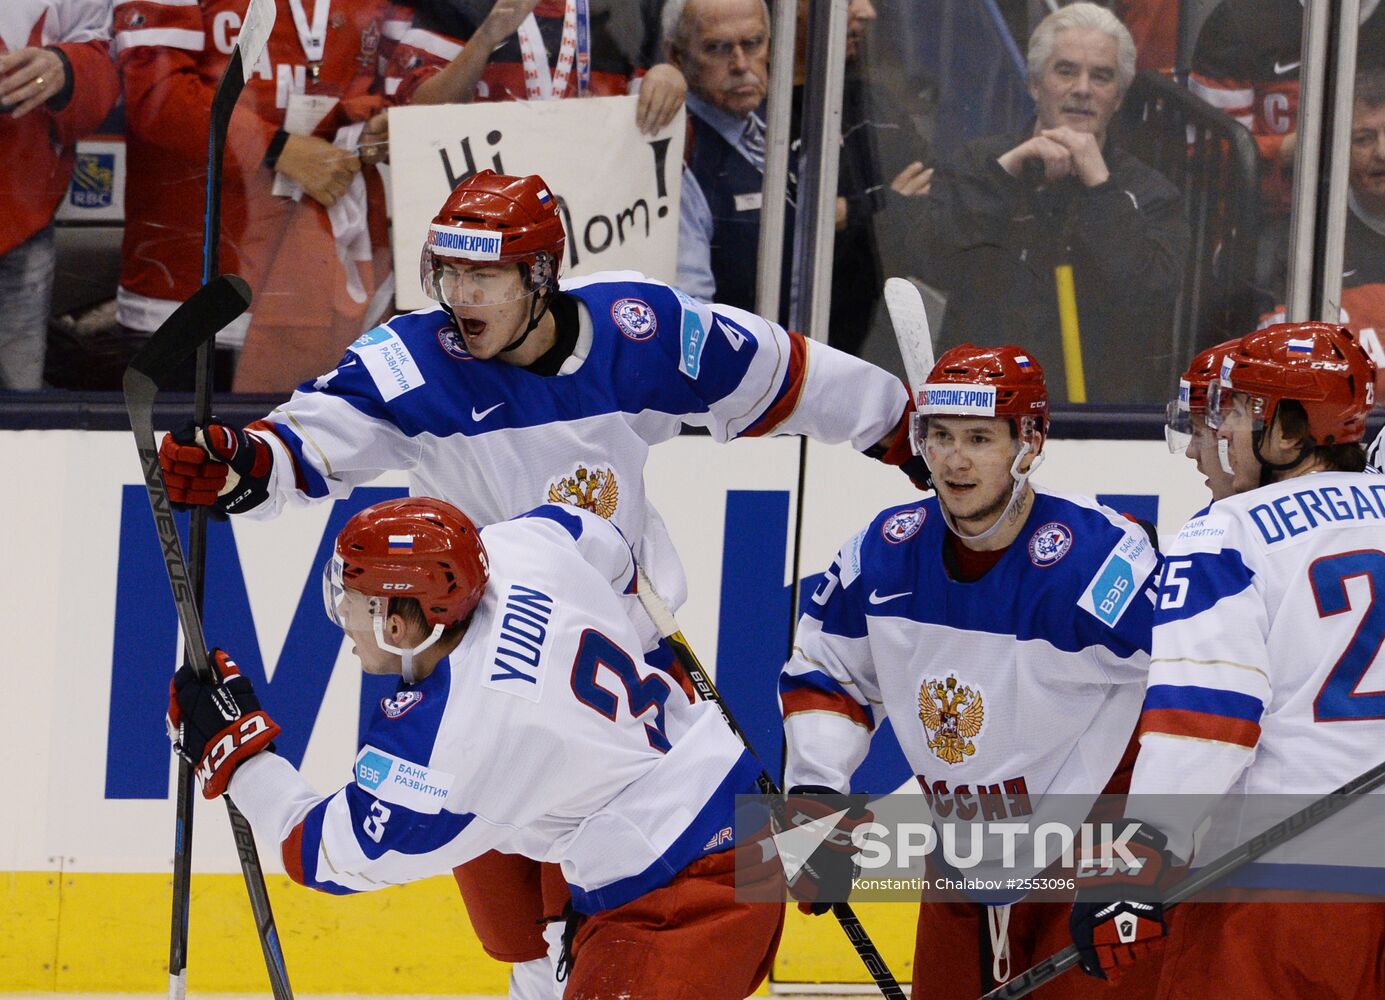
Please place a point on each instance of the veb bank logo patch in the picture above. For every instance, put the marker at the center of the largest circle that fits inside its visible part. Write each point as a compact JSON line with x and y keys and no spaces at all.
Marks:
{"x":372,"y":769}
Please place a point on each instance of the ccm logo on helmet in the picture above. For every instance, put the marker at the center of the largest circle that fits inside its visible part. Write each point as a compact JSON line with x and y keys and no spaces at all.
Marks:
{"x":396,"y":586}
{"x":469,"y":244}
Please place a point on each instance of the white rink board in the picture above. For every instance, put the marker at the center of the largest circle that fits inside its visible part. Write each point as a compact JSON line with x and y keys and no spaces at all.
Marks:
{"x":60,"y":537}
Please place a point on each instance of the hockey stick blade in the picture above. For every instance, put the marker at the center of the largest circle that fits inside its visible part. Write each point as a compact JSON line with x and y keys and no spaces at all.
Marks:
{"x":211,"y":308}
{"x":910,"y":322}
{"x":1211,"y":873}
{"x":662,"y":617}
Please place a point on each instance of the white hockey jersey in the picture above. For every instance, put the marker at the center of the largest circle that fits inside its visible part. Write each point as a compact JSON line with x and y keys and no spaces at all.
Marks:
{"x":1268,"y":674}
{"x":1023,"y":683}
{"x":543,"y":734}
{"x":496,"y":440}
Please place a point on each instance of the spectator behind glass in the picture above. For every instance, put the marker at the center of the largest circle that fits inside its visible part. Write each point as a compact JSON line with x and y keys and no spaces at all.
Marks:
{"x":1363,"y":257}
{"x":57,"y":84}
{"x":313,"y":261}
{"x":1246,"y":63}
{"x":722,"y":47}
{"x":433,"y":65}
{"x":1000,"y":220}
{"x":879,"y":141}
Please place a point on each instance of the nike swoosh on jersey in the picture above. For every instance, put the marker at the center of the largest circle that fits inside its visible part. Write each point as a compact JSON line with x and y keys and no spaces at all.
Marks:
{"x":1286,"y":67}
{"x":479,"y":415}
{"x":874,"y":598}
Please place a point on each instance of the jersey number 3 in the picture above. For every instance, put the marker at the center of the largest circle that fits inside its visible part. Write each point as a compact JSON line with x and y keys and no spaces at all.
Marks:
{"x":643,"y":693}
{"x":1338,"y":700}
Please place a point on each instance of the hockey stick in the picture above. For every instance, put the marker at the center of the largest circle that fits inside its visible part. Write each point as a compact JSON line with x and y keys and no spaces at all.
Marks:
{"x":910,"y":322}
{"x":211,"y":308}
{"x":256,"y":27}
{"x":668,"y":628}
{"x":1210,"y":874}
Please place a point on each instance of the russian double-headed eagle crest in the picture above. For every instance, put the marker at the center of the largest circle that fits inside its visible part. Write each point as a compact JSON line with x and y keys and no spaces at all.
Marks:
{"x":595,"y":490}
{"x":951,"y":717}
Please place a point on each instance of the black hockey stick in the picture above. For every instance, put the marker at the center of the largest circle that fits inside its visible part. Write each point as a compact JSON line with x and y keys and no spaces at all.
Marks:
{"x":668,"y":628}
{"x":211,"y":308}
{"x":1210,"y":874}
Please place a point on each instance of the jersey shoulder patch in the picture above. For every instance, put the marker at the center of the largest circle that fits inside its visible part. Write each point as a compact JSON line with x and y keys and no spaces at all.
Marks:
{"x":392,"y":778}
{"x":391,"y":365}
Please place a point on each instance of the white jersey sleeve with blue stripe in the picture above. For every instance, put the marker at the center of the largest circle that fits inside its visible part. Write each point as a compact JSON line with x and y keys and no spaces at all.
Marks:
{"x":497,"y":440}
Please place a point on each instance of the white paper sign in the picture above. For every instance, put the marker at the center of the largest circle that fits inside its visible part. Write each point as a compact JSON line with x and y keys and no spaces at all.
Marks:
{"x":617,"y":188}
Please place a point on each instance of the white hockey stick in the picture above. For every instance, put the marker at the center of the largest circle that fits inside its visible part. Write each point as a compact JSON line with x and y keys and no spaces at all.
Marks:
{"x":910,"y":323}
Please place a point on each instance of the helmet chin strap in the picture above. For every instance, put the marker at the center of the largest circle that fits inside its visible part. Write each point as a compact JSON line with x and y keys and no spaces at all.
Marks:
{"x":406,"y":653}
{"x":1268,"y":468}
{"x":1016,"y":491}
{"x":536,"y":311}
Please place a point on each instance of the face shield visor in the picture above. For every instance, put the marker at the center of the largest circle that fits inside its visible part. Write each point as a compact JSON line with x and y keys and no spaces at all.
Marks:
{"x":354,"y":612}
{"x":461,"y":268}
{"x":1179,"y":419}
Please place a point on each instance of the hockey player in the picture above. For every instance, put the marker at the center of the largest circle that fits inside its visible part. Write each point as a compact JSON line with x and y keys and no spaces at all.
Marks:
{"x":526,"y":721}
{"x":512,"y":392}
{"x":1186,"y":428}
{"x":1023,"y":615}
{"x":1256,"y":683}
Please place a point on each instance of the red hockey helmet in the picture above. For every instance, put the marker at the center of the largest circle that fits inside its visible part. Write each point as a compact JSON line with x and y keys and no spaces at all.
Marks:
{"x":492,"y":218}
{"x":1319,"y":365}
{"x":1190,"y":406}
{"x":987,"y":382}
{"x":413,"y":547}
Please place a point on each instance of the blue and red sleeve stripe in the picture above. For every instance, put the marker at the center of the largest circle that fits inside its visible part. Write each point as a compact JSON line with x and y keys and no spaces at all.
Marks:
{"x":1202,"y":713}
{"x":816,"y":692}
{"x":790,"y":390}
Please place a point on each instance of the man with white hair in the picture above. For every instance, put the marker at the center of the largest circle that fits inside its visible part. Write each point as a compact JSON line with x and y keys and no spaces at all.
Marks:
{"x":1001,"y":221}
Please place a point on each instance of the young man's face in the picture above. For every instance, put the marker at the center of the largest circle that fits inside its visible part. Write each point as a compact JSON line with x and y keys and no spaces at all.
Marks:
{"x":491,"y":304}
{"x":358,"y":622}
{"x":1080,"y":85}
{"x":1238,"y":428}
{"x":1202,"y":449}
{"x":970,"y":458}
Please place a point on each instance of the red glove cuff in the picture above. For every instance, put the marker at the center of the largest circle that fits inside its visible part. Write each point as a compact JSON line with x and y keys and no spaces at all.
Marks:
{"x":231,"y":747}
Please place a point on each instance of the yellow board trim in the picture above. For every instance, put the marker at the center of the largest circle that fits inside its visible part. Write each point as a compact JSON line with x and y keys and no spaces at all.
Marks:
{"x":96,"y":932}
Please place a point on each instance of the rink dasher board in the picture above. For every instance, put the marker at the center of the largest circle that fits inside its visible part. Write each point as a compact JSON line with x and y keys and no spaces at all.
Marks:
{"x":67,"y":496}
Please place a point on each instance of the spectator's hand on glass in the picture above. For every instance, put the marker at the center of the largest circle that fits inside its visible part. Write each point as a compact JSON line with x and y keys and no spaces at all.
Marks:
{"x":321,"y":169}
{"x":913,"y":180}
{"x":28,"y":78}
{"x":661,"y":95}
{"x":374,"y":144}
{"x":503,"y":21}
{"x":1087,"y":162}
{"x":1055,"y":157}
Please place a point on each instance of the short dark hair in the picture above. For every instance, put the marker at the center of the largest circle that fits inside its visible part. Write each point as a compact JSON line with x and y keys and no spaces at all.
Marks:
{"x":1293,"y":423}
{"x":411,"y":611}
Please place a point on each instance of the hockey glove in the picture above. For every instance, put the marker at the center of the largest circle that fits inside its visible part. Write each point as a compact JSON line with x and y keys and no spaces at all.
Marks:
{"x":1110,"y":934}
{"x":897,"y":449}
{"x":217,"y":726}
{"x":826,"y":875}
{"x":216,"y":465}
